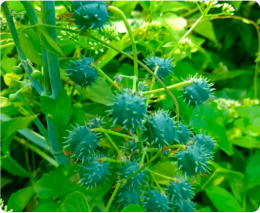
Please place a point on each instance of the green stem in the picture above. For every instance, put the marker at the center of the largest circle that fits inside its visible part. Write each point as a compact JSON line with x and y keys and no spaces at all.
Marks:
{"x":131,"y":36}
{"x":142,"y":167}
{"x":110,"y":160}
{"x":120,"y":154}
{"x":48,"y":16}
{"x":84,"y":33}
{"x":156,"y":182}
{"x":174,"y":86}
{"x":142,"y":159}
{"x":100,"y":72}
{"x":18,"y":165}
{"x":36,"y":85}
{"x":209,"y":179}
{"x":115,"y":133}
{"x":112,"y":197}
{"x":140,"y":143}
{"x":152,"y":83}
{"x":163,"y":176}
{"x":38,"y":151}
{"x":177,"y":146}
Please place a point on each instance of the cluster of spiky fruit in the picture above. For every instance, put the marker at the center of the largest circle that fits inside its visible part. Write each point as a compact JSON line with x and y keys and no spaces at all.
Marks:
{"x":89,"y":14}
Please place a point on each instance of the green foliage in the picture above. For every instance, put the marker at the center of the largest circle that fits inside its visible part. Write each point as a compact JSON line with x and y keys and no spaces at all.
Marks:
{"x":158,"y":150}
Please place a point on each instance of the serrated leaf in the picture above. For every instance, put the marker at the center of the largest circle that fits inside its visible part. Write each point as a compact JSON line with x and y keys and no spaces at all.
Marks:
{"x":29,"y":50}
{"x":49,"y":43}
{"x":75,"y":202}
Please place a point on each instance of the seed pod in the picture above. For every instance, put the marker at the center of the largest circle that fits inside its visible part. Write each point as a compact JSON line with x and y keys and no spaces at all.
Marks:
{"x":36,"y":75}
{"x":14,"y":97}
{"x":128,"y":110}
{"x":17,"y":70}
{"x":89,"y":14}
{"x":165,"y":66}
{"x":186,"y":206}
{"x":182,"y":134}
{"x":154,"y":201}
{"x":205,"y":142}
{"x":24,"y":21}
{"x":127,"y":197}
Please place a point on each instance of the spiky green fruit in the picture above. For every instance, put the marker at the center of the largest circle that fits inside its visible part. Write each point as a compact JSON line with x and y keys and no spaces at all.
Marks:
{"x":193,"y":160}
{"x":81,"y":141}
{"x":180,"y":190}
{"x":127,"y":197}
{"x":128,"y":110}
{"x":165,"y":66}
{"x":81,"y":72}
{"x":126,"y":171}
{"x":182,"y":134}
{"x":93,"y":172}
{"x":160,"y":129}
{"x":142,"y":86}
{"x":89,"y":14}
{"x":186,"y":206}
{"x":198,"y":92}
{"x":205,"y":142}
{"x":154,"y":201}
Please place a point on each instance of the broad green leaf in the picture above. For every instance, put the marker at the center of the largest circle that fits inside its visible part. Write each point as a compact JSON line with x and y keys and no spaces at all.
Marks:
{"x":10,"y":79}
{"x":47,"y":206}
{"x":59,"y":110}
{"x":254,"y":197}
{"x":173,"y":6}
{"x":4,"y":102}
{"x":29,"y":50}
{"x":205,"y":209}
{"x":78,"y":117}
{"x":246,"y":142}
{"x":206,"y":30}
{"x":15,"y":124}
{"x":133,"y":208}
{"x":253,"y":171}
{"x":34,"y":39}
{"x":223,"y":200}
{"x":75,"y":202}
{"x":165,"y":168}
{"x":49,"y":43}
{"x":5,"y":181}
{"x":19,"y":199}
{"x":100,"y":92}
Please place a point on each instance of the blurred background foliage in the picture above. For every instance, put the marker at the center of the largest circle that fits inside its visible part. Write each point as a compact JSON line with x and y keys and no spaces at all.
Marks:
{"x":225,"y":49}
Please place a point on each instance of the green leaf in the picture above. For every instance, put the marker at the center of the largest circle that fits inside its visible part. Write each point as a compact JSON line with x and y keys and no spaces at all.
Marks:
{"x":223,"y":200}
{"x":100,"y":92}
{"x":253,"y":171}
{"x":49,"y":43}
{"x":59,"y":110}
{"x":34,"y":39}
{"x":29,"y":50}
{"x":206,"y":30}
{"x":75,"y":202}
{"x":47,"y":206}
{"x":15,"y":124}
{"x":19,"y":199}
{"x":246,"y":142}
{"x":133,"y":208}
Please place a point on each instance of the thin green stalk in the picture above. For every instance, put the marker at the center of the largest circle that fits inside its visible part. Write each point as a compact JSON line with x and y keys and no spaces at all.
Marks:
{"x":88,"y":34}
{"x":48,"y":16}
{"x":72,"y":91}
{"x":29,"y":134}
{"x":174,"y":86}
{"x":156,"y":182}
{"x":142,"y":158}
{"x":131,"y":36}
{"x":152,"y":83}
{"x":38,"y":151}
{"x":163,"y":176}
{"x":142,"y":167}
{"x":110,"y":160}
{"x":36,"y":85}
{"x":120,"y":154}
{"x":140,"y":143}
{"x":18,"y":165}
{"x":112,"y":197}
{"x":115,"y":133}
{"x":100,"y":72}
{"x":209,"y":179}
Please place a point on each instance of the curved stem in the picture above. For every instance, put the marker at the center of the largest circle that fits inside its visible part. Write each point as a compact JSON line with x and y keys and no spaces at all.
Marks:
{"x":110,"y":160}
{"x":131,"y":36}
{"x":100,"y":72}
{"x":120,"y":154}
{"x":156,"y":182}
{"x":163,"y":176}
{"x":112,"y":197}
{"x":152,"y":83}
{"x":115,"y":133}
{"x":169,"y":87}
{"x":84,"y":33}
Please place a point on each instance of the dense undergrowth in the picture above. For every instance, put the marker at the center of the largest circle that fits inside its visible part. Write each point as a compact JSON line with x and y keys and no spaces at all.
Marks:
{"x":130,"y":106}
